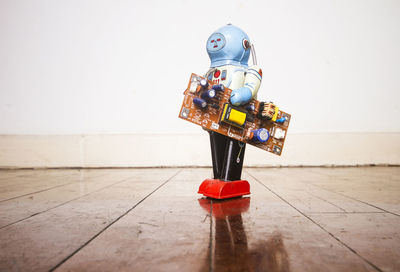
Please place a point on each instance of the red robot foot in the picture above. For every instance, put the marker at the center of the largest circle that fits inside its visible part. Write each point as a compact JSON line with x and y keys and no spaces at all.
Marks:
{"x":219,"y":189}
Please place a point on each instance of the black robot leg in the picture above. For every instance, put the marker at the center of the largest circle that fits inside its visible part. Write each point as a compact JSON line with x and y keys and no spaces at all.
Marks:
{"x":227,"y":157}
{"x":218,"y":143}
{"x":233,"y":160}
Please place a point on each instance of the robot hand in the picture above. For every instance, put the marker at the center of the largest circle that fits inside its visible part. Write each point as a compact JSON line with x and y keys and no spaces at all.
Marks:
{"x":241,"y":96}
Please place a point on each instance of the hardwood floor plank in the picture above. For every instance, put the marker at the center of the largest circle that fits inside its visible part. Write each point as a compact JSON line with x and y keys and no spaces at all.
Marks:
{"x":169,"y":231}
{"x":37,"y":182}
{"x":278,"y":238}
{"x":8,"y":177}
{"x":296,"y":186}
{"x":21,"y":208}
{"x":6,"y":174}
{"x":376,"y":237}
{"x":41,"y":242}
{"x":376,"y":186}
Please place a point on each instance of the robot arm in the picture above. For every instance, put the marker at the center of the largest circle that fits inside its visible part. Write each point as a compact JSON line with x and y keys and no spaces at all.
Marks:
{"x":253,"y":79}
{"x":250,"y":88}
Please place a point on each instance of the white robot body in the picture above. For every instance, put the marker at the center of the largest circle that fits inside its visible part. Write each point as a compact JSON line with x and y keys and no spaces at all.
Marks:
{"x":235,"y":77}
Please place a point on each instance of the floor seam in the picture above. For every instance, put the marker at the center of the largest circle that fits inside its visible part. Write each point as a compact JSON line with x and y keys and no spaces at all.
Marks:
{"x":313,"y":221}
{"x":337,"y":206}
{"x":113,"y":222}
{"x":44,"y":190}
{"x":36,"y":192}
{"x":28,"y":175}
{"x":345,"y":212}
{"x":343,"y":195}
{"x":64,"y":203}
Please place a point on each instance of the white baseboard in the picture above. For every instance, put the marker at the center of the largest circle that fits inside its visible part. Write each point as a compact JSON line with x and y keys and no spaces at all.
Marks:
{"x":192,"y":150}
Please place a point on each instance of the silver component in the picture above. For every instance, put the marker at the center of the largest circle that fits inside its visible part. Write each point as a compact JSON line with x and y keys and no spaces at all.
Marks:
{"x":214,"y":126}
{"x":264,"y":135}
{"x":193,"y":86}
{"x":279,"y":133}
{"x":194,"y":83}
{"x":277,"y":149}
{"x":211,"y":93}
{"x":203,"y":83}
{"x":185,"y":113}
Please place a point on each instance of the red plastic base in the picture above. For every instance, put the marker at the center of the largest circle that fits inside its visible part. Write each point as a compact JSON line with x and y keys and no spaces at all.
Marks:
{"x":220,"y":189}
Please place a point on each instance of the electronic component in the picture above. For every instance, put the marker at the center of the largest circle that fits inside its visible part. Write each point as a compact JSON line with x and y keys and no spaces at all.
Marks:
{"x":185,"y":112}
{"x":214,"y":126}
{"x":260,"y":135}
{"x":193,"y":86}
{"x":266,"y":110}
{"x":204,"y":83}
{"x":233,"y":116}
{"x":215,"y":106}
{"x":250,"y":118}
{"x":194,"y":83}
{"x":277,"y":150}
{"x":279,"y":133}
{"x":201,"y":103}
{"x":218,"y":87}
{"x":208,"y":94}
{"x":281,"y":120}
{"x":250,"y":107}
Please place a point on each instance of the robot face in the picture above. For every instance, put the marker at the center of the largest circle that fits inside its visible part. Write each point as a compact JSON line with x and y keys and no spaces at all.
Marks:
{"x":228,"y":45}
{"x":215,"y":42}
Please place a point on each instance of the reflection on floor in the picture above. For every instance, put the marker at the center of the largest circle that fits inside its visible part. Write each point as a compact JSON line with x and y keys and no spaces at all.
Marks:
{"x":296,"y":219}
{"x":230,"y":250}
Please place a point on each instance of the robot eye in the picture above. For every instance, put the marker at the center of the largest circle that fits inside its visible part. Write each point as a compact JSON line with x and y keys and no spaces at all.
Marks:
{"x":218,"y":40}
{"x":212,"y":41}
{"x":246,"y":44}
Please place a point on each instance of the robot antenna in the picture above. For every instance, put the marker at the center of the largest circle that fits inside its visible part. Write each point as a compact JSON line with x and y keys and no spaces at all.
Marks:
{"x":253,"y":54}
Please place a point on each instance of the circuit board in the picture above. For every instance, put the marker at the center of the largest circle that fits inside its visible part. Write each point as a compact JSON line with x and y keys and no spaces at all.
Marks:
{"x":260,"y":124}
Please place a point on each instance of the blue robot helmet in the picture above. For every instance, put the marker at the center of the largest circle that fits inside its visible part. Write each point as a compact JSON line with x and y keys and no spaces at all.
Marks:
{"x":228,"y":45}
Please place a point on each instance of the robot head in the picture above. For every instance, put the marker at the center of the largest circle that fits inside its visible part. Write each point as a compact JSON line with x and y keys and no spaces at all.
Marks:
{"x":228,"y":45}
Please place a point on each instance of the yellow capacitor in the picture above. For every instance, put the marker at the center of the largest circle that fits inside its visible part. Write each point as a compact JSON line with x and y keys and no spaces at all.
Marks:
{"x":233,"y":116}
{"x":237,"y":117}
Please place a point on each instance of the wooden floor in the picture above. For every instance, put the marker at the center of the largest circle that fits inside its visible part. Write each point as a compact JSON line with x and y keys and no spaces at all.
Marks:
{"x":296,"y":219}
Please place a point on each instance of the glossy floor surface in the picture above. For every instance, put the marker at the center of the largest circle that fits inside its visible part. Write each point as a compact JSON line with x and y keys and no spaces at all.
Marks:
{"x":296,"y":219}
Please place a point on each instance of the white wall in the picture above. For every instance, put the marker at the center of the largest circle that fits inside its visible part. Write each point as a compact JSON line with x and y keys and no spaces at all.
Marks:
{"x":141,"y":150}
{"x":120,"y":67}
